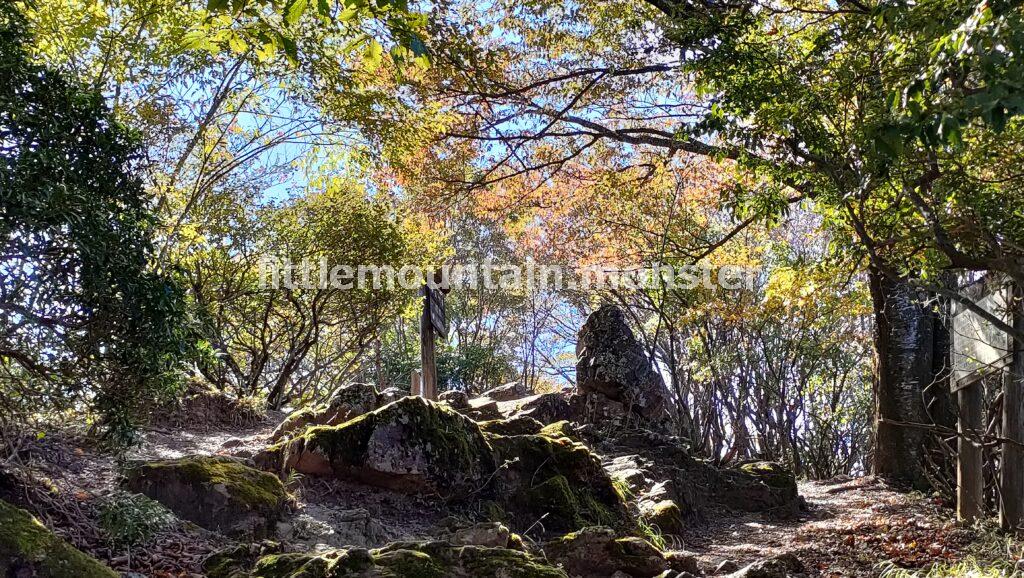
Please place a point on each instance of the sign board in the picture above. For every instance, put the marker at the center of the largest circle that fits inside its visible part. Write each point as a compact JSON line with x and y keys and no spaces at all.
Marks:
{"x":438,"y":315}
{"x":980,"y":348}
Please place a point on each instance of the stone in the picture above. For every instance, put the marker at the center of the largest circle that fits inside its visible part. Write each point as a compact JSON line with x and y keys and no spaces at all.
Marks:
{"x":506,"y":392}
{"x":680,"y":561}
{"x":547,"y":408}
{"x":406,"y":559}
{"x":726,"y":567}
{"x":597,"y":551}
{"x":217,"y":493}
{"x":412,"y":445}
{"x":664,"y":515}
{"x":348,"y":402}
{"x":562,"y":429}
{"x":337,"y":528}
{"x":555,"y":483}
{"x":781,"y":566}
{"x":30,"y":550}
{"x":518,"y":425}
{"x":627,"y":471}
{"x":392,"y":394}
{"x":483,"y":409}
{"x":488,"y":534}
{"x":760,"y":487}
{"x":458,"y":400}
{"x":611,"y":362}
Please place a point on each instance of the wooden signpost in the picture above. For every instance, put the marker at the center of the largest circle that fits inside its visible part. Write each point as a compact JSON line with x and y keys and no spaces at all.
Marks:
{"x":433,"y":323}
{"x":982,"y":353}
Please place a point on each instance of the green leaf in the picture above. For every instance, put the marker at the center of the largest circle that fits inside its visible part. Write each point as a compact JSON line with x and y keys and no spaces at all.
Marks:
{"x":373,"y":53}
{"x":293,"y":11}
{"x":216,"y":5}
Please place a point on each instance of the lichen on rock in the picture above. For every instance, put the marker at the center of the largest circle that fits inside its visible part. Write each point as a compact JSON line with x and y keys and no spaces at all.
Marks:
{"x":411,"y":445}
{"x":27,"y":548}
{"x":217,"y":493}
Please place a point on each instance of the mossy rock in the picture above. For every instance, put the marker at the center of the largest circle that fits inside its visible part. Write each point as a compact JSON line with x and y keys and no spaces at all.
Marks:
{"x":399,"y":560}
{"x":760,"y":487}
{"x":772,"y":473}
{"x":27,"y":548}
{"x":348,"y":402}
{"x":411,"y":445}
{"x":665,"y":515}
{"x":557,"y":481}
{"x":513,"y":426}
{"x":217,"y":493}
{"x":599,"y":551}
{"x":560,"y":429}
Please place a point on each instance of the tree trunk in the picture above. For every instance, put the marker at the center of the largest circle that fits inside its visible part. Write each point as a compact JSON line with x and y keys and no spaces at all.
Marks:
{"x":904,"y":367}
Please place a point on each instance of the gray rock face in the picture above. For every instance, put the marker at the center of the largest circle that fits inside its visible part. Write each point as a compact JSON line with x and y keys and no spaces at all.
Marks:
{"x":611,"y":362}
{"x":217,"y":493}
{"x":412,"y":445}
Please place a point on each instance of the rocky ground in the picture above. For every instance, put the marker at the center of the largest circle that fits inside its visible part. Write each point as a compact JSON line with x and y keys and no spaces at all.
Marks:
{"x":849,"y":525}
{"x":587,"y":482}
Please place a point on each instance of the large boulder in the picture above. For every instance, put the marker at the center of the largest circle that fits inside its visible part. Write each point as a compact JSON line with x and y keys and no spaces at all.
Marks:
{"x":420,"y":559}
{"x":29,"y":549}
{"x":554,"y":483}
{"x":217,"y":493}
{"x":412,"y":445}
{"x":349,"y":401}
{"x":611,"y":362}
{"x":600,"y":553}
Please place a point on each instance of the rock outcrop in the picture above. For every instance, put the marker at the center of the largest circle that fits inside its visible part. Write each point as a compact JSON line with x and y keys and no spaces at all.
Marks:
{"x":217,"y":493}
{"x":612,"y":363}
{"x":28,"y":549}
{"x":411,"y":445}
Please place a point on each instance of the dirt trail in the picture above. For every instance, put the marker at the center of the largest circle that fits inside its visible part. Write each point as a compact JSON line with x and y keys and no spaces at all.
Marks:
{"x":850,"y":526}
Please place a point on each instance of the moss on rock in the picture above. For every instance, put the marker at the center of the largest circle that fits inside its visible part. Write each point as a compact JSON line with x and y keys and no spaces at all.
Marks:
{"x":514,"y":426}
{"x":27,"y":548}
{"x":410,"y":445}
{"x":402,"y":560}
{"x":556,"y":479}
{"x":598,"y":551}
{"x":559,"y":429}
{"x":665,"y":515}
{"x":217,"y":493}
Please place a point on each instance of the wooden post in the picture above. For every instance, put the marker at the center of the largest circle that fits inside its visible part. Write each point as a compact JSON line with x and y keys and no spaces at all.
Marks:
{"x":416,"y":387}
{"x":970,"y":483}
{"x":1011,"y":474}
{"x":427,"y":349}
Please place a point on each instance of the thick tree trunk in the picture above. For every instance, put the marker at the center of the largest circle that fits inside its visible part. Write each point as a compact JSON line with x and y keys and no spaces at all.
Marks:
{"x":905,"y":366}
